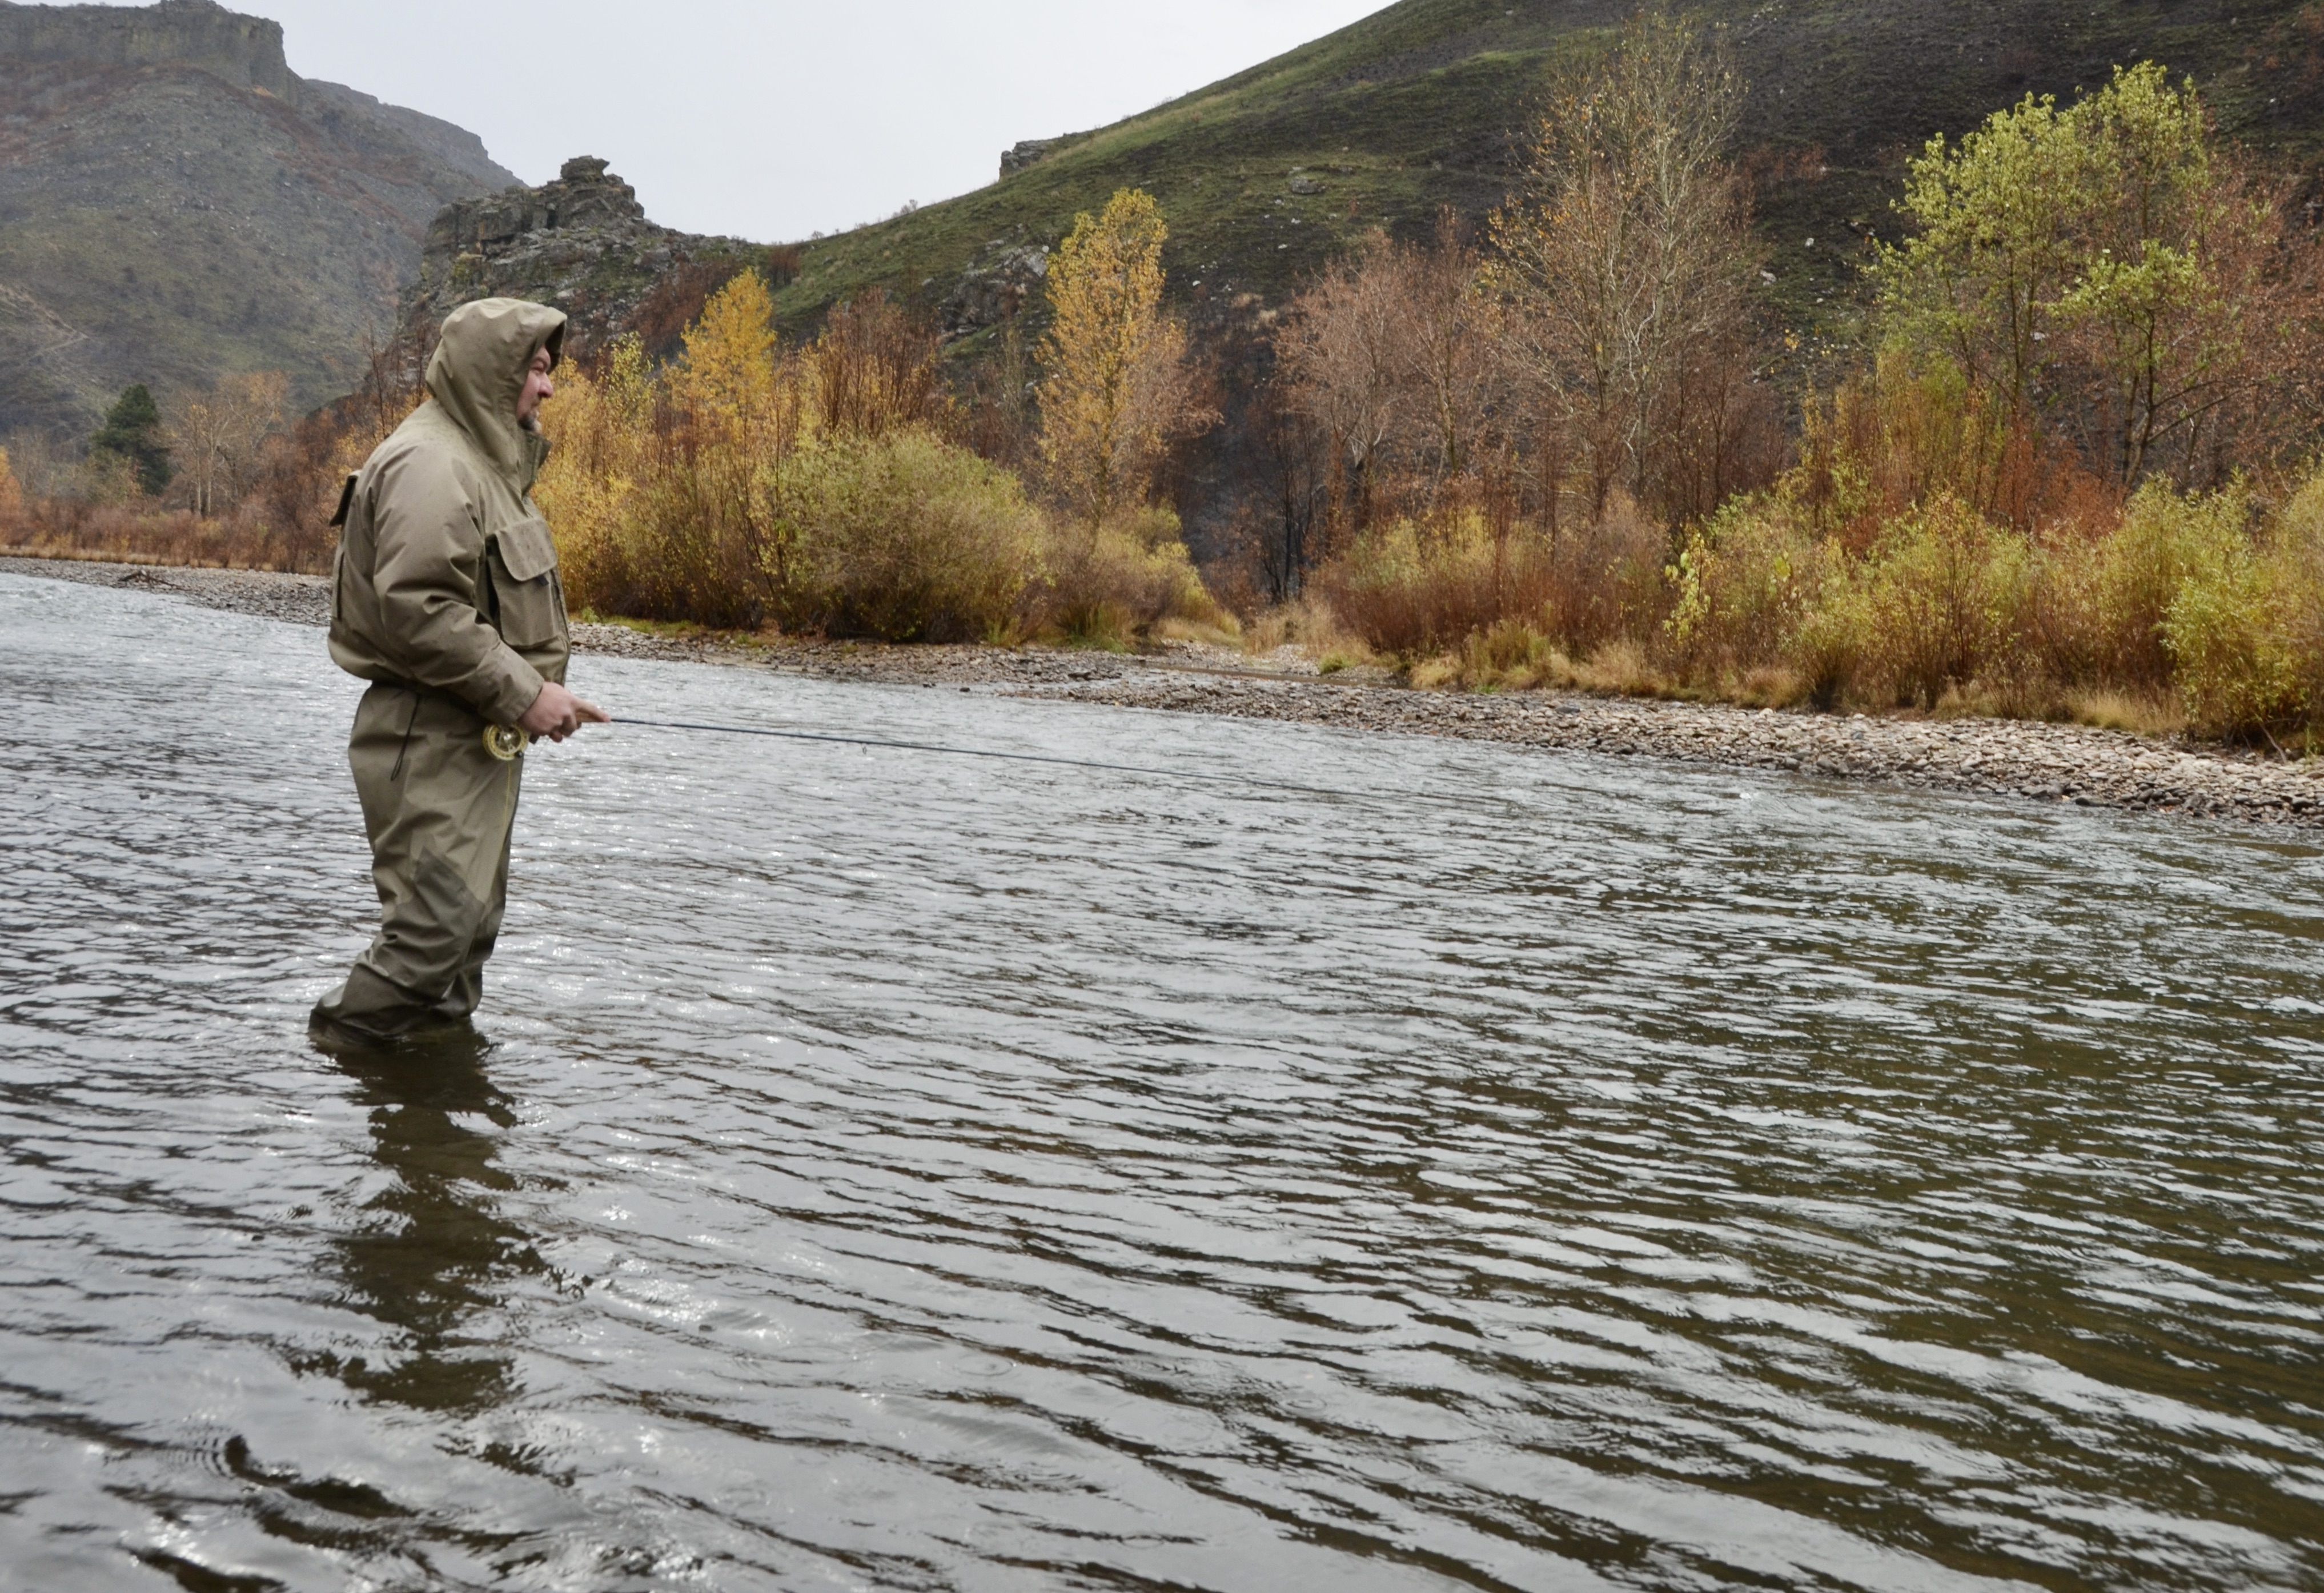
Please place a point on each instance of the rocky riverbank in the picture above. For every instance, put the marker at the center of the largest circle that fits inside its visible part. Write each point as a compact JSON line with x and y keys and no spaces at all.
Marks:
{"x":2038,"y":762}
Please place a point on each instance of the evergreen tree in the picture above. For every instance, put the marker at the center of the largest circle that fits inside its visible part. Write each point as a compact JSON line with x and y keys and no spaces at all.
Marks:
{"x":133,"y":431}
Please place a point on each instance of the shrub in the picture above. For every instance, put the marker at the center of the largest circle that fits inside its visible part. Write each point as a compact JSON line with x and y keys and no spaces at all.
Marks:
{"x":2164,"y":539}
{"x":1410,"y":588}
{"x":1745,"y":584}
{"x":1939,"y":598}
{"x":747,"y":483}
{"x":901,"y":537}
{"x":1938,"y":601}
{"x":2245,"y":628}
{"x":1130,"y":574}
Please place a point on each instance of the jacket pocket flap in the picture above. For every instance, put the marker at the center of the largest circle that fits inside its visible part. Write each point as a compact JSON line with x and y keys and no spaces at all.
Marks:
{"x":526,"y":549}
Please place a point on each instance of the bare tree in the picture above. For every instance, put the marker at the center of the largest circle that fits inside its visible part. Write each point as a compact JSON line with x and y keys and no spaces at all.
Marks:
{"x":1341,"y":353}
{"x":874,"y":368}
{"x":1287,"y":494}
{"x":1392,"y":355}
{"x":1623,"y":255}
{"x":1450,"y":352}
{"x":217,"y":435}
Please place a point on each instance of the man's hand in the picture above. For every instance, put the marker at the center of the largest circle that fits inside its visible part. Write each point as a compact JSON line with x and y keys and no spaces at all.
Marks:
{"x":557,"y":713}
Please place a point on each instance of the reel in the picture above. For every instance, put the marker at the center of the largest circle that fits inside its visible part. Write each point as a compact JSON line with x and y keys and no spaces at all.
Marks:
{"x":503,"y":741}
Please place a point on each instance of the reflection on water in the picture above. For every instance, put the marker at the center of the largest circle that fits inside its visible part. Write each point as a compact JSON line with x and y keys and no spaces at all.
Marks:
{"x":430,"y":1258}
{"x":888,"y":1172}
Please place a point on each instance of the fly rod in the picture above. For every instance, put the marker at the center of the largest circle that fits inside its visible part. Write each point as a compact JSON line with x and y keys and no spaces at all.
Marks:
{"x":951,"y":751}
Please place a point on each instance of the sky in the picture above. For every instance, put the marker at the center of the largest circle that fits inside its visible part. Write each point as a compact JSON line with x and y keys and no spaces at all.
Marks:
{"x":776,"y":119}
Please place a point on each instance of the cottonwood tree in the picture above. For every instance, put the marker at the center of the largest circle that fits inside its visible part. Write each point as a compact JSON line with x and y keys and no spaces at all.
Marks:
{"x":216,"y":435}
{"x":2111,"y":272}
{"x":1623,"y":257}
{"x":1116,"y":388}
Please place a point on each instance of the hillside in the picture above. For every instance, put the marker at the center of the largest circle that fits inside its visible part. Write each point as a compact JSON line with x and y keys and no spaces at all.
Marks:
{"x":175,"y":204}
{"x":1266,"y":174}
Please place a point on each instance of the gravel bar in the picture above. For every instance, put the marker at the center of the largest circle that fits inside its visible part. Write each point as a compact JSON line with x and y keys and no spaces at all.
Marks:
{"x":2036,"y":761}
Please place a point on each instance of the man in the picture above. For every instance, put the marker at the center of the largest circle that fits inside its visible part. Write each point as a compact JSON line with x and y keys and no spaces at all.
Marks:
{"x":447,"y":598}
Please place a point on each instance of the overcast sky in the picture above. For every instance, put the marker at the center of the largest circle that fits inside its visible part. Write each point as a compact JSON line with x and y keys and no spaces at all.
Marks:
{"x":773,"y":119}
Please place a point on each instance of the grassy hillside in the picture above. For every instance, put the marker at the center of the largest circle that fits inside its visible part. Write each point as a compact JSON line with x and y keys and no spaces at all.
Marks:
{"x":1264,"y":176}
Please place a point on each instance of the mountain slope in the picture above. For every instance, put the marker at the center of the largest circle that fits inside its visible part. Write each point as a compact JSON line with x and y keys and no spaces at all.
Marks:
{"x":176,"y":205}
{"x":1266,"y":174}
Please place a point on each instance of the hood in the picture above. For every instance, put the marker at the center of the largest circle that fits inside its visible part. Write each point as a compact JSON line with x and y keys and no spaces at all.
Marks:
{"x":478,"y":372}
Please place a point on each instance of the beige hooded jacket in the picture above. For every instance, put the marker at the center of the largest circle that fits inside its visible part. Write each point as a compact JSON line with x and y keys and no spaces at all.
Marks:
{"x":447,"y":577}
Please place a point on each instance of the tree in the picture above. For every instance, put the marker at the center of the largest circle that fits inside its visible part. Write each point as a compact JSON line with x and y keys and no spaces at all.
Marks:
{"x":1116,"y":390}
{"x":218,"y":434}
{"x":737,"y":415}
{"x":12,"y":496}
{"x":2106,"y":268}
{"x":131,"y":433}
{"x":874,"y":369}
{"x":1624,"y":256}
{"x":1393,"y":355}
{"x":729,"y":370}
{"x":1343,"y":356}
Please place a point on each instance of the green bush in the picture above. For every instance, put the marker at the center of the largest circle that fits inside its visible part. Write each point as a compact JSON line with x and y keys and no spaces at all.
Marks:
{"x":2243,"y":630}
{"x":901,"y":537}
{"x":1941,"y":594}
{"x":1748,"y":582}
{"x":2165,"y":540}
{"x":1128,"y":575}
{"x":1936,"y":602}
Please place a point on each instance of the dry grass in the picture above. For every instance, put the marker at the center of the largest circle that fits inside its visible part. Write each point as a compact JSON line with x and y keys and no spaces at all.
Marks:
{"x":1311,"y":625}
{"x":2141,"y":713}
{"x":1226,"y":631}
{"x":130,"y":534}
{"x":1513,"y":657}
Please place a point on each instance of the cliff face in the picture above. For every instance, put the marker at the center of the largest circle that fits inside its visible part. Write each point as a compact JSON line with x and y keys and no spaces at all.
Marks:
{"x":177,"y":204}
{"x":246,"y":51}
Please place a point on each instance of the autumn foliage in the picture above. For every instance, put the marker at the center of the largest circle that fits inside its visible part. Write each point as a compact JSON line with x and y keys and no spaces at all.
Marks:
{"x":1115,"y":389}
{"x":2071,"y":476}
{"x":818,"y":488}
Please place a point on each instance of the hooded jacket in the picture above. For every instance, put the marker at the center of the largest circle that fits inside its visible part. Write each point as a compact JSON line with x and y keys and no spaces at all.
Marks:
{"x":446,"y":576}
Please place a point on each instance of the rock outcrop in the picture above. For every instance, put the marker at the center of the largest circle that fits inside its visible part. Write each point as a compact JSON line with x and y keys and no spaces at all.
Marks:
{"x":1033,"y":151}
{"x":176,"y":205}
{"x":582,"y":244}
{"x":996,"y":285}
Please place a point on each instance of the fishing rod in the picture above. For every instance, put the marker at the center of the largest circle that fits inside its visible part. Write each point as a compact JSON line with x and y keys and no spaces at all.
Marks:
{"x":991,"y":752}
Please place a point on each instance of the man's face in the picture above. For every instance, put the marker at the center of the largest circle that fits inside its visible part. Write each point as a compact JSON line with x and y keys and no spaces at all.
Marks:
{"x":537,"y":387}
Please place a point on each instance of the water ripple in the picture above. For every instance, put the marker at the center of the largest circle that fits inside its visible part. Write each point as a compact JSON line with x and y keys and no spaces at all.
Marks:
{"x":890,"y":1172}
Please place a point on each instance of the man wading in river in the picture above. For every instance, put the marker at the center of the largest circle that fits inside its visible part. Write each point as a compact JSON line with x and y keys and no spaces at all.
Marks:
{"x":447,"y":598}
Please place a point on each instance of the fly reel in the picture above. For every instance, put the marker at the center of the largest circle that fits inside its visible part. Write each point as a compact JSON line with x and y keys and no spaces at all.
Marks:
{"x":503,"y":741}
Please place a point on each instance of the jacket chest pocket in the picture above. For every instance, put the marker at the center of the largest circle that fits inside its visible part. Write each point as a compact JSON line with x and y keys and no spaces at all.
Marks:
{"x":528,"y":601}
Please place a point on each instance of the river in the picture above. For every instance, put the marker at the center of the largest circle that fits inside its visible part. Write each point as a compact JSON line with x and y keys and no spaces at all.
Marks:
{"x":1492,"y":1169}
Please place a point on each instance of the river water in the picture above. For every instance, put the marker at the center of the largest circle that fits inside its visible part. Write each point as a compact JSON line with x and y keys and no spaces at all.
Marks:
{"x":897,"y":1172}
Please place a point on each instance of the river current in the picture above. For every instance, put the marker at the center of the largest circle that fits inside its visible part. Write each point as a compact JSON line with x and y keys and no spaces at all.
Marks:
{"x":882,"y":1170}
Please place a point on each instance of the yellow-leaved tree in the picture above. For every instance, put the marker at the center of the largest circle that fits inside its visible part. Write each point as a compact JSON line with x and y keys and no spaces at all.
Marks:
{"x":11,"y":497}
{"x":1115,"y":388}
{"x":659,"y":487}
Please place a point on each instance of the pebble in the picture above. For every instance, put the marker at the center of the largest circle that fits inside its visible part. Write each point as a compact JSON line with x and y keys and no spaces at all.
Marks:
{"x":2040,"y":762}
